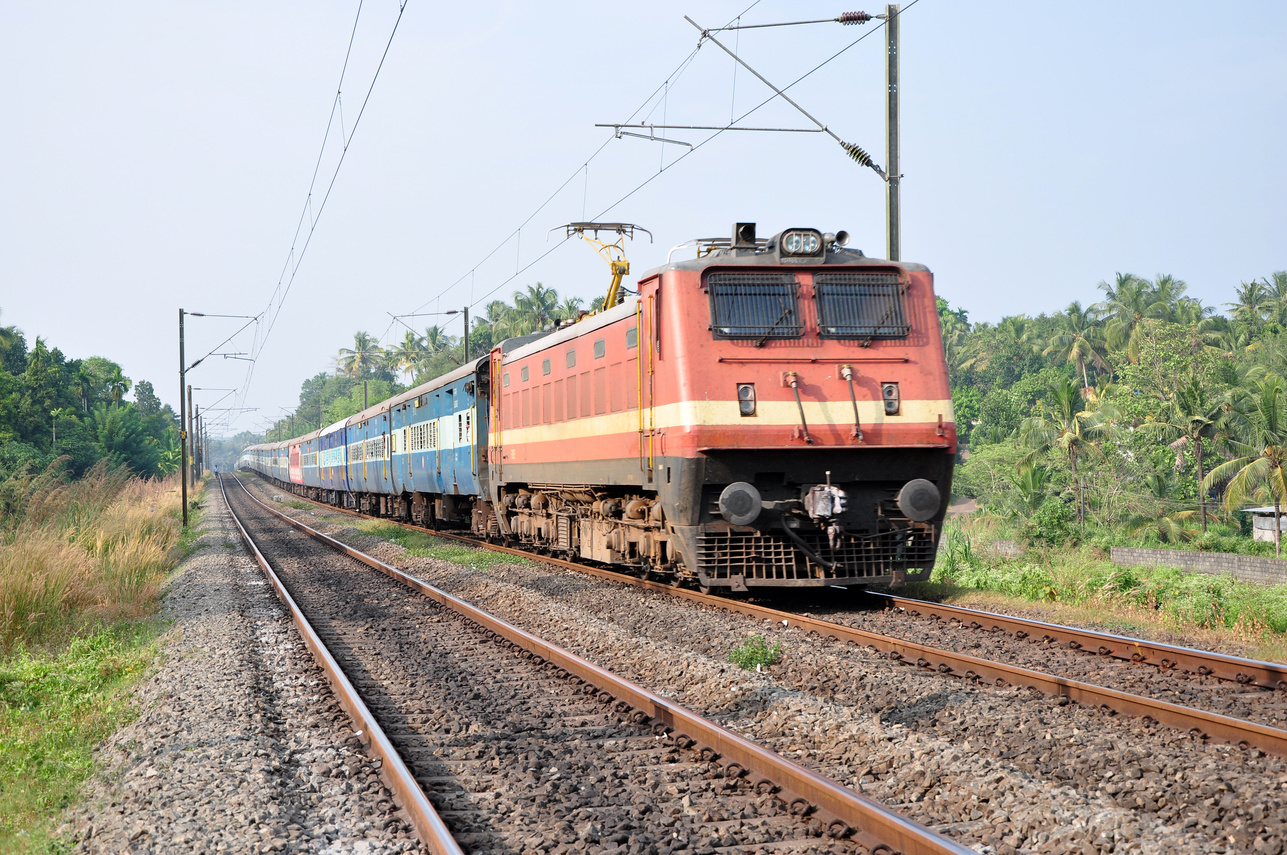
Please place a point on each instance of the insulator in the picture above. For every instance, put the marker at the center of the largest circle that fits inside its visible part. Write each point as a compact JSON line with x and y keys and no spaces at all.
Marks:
{"x":857,"y":153}
{"x":848,"y":18}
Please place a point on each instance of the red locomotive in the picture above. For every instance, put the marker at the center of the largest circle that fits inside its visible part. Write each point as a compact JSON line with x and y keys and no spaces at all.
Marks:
{"x":772,"y":413}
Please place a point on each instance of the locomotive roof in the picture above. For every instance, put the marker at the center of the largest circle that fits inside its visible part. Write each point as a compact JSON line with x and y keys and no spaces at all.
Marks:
{"x":768,"y":256}
{"x":586,"y":325}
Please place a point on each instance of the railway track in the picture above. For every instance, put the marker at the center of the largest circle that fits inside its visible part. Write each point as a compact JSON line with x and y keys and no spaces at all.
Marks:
{"x":518,"y":742}
{"x":1200,"y":722}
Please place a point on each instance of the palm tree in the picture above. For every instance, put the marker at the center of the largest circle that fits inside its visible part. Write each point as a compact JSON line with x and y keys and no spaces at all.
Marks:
{"x":569,"y":309}
{"x":435,"y":340}
{"x":1277,"y":287}
{"x":1126,"y":302}
{"x":363,"y":358}
{"x":1167,"y":295}
{"x":1253,"y":304}
{"x":117,"y":385}
{"x":1069,"y":426}
{"x":1190,"y":418}
{"x":83,"y":383}
{"x":1030,"y":482}
{"x":1077,"y":340}
{"x":538,"y":306}
{"x":408,"y":355}
{"x":1262,"y":448}
{"x":8,"y":335}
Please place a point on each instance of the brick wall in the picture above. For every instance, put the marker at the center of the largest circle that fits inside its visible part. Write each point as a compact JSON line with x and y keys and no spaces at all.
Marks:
{"x":1245,"y":567}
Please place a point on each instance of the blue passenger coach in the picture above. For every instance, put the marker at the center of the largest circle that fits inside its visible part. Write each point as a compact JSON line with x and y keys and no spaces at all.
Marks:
{"x":420,"y":456}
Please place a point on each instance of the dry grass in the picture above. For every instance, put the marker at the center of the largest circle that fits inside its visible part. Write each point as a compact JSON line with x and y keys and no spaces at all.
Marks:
{"x":79,"y":552}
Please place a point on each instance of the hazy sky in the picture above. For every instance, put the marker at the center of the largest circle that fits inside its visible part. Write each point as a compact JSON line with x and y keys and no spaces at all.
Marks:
{"x":158,"y":155}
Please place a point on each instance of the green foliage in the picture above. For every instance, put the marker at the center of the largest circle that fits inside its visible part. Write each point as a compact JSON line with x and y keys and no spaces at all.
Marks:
{"x":755,"y":653}
{"x":1051,"y":524}
{"x":51,"y":407}
{"x":54,"y":709}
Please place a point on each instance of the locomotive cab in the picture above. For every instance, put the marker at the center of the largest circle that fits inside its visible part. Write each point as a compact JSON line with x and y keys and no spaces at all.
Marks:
{"x":808,"y":435}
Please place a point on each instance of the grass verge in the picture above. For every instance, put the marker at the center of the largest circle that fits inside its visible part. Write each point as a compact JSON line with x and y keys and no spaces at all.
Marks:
{"x":424,"y":545}
{"x":54,"y":708}
{"x":82,"y":565}
{"x":1214,"y":611}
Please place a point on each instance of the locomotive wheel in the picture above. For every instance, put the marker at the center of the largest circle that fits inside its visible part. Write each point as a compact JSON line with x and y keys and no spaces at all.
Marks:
{"x":705,"y":589}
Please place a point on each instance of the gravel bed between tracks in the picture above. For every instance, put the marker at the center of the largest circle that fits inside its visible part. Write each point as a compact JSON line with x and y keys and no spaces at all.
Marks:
{"x":515,"y":758}
{"x":1265,"y":706}
{"x":240,"y":745}
{"x":1003,"y":770}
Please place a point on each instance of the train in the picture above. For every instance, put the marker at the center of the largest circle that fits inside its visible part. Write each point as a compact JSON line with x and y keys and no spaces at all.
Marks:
{"x":772,"y":413}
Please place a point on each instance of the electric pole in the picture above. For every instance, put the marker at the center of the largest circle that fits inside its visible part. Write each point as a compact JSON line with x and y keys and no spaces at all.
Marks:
{"x":894,"y":249}
{"x":466,"y":336}
{"x":183,"y":432}
{"x":190,"y":452}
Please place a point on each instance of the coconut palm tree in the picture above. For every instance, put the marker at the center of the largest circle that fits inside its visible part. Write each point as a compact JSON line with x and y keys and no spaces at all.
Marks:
{"x":569,"y":309}
{"x":1253,"y":304}
{"x":1078,"y":340}
{"x":117,"y":385}
{"x":1261,"y":465}
{"x":1277,"y":288}
{"x":8,"y":335}
{"x":408,"y":354}
{"x":1068,"y":425}
{"x":537,"y":306}
{"x":361,"y":359}
{"x":1127,"y":301}
{"x":1190,"y":417}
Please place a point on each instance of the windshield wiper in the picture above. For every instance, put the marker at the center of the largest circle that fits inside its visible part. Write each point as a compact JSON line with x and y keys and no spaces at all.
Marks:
{"x":785,"y":311}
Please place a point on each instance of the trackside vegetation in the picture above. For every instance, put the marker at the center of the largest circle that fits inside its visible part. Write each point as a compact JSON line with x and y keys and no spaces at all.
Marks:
{"x":82,"y":563}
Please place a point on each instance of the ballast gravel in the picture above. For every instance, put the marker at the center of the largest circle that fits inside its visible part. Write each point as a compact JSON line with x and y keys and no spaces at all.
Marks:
{"x":240,"y":745}
{"x":1000,"y":770}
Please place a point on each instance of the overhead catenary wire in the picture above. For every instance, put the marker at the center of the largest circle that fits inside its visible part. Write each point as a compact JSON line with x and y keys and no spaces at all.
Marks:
{"x":856,"y":155}
{"x":294,"y":261}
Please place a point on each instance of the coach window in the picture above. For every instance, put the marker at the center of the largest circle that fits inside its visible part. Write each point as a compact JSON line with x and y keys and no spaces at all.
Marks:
{"x":522,"y":375}
{"x":632,"y":337}
{"x":600,"y":348}
{"x":571,"y":359}
{"x":505,"y":379}
{"x":545,"y":366}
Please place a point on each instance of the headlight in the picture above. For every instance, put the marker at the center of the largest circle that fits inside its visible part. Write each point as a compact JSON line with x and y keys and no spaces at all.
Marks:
{"x":889,"y":392}
{"x":746,"y":399}
{"x":801,"y":242}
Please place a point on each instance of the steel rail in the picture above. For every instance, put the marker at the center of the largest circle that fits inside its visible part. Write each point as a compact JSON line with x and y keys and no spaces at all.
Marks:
{"x":1195,"y":721}
{"x":864,"y":820}
{"x":428,"y":824}
{"x":1251,"y":672}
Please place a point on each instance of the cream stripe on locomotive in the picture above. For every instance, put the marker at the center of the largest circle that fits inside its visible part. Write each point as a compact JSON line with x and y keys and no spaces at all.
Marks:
{"x":725,"y":413}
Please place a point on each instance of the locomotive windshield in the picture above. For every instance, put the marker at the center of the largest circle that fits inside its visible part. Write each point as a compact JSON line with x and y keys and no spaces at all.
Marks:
{"x":754,"y":305}
{"x":859,"y":305}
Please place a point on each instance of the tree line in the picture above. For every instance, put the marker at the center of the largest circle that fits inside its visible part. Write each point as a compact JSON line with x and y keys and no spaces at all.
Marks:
{"x":1147,"y":413}
{"x":52,"y":408}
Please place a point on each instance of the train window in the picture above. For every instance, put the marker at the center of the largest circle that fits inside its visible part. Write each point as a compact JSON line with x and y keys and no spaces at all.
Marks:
{"x":571,"y":359}
{"x":505,"y":379}
{"x":754,"y":305}
{"x":522,"y":375}
{"x":600,"y":348}
{"x":859,"y":305}
{"x":545,"y":366}
{"x":632,"y":337}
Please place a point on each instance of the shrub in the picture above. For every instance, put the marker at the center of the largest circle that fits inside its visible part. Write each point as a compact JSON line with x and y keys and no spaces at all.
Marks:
{"x":1052,"y":524}
{"x":755,"y":653}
